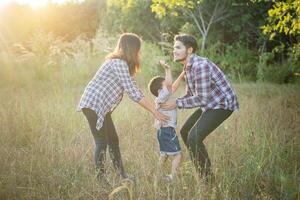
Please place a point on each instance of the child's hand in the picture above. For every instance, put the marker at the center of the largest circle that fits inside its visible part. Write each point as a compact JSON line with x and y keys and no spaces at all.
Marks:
{"x":164,"y":64}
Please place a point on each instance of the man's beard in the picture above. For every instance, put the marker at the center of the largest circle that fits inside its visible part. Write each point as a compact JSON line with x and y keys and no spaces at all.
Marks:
{"x":181,"y":59}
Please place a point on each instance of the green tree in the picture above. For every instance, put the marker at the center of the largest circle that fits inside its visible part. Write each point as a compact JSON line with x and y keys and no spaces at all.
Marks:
{"x":131,"y":16}
{"x":203,"y":14}
{"x":283,"y":27}
{"x":283,"y":17}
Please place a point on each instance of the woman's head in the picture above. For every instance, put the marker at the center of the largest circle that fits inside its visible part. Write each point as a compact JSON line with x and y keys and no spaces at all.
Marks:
{"x":128,"y":49}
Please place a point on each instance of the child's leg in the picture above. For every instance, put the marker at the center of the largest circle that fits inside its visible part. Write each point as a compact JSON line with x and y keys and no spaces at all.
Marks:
{"x":175,"y":164}
{"x":162,"y":160}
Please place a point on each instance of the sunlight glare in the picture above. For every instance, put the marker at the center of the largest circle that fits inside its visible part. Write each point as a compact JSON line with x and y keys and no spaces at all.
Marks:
{"x":34,"y":3}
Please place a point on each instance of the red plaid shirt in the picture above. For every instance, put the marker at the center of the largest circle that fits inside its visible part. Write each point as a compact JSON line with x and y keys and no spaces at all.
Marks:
{"x":206,"y":87}
{"x":105,"y":91}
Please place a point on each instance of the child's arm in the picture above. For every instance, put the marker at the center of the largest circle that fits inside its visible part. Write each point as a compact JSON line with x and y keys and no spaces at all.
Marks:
{"x":177,"y":82}
{"x":168,"y":76}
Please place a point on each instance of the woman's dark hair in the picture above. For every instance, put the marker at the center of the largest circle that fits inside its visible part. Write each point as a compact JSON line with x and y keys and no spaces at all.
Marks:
{"x":155,"y":84}
{"x":127,"y":49}
{"x":187,"y":40}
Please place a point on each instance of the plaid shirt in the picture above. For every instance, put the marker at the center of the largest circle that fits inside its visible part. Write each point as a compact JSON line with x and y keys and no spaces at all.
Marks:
{"x":206,"y":87}
{"x":105,"y":91}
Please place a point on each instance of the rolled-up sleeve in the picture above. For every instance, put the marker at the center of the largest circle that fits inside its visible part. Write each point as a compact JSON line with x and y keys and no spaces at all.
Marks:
{"x":163,"y":95}
{"x":202,"y":88}
{"x":127,"y":82}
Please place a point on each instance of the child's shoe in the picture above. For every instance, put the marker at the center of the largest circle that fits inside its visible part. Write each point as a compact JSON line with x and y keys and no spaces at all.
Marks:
{"x":169,"y":178}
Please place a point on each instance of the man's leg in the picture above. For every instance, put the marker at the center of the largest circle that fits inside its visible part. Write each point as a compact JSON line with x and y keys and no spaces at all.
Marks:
{"x":189,"y":123}
{"x":208,"y":122}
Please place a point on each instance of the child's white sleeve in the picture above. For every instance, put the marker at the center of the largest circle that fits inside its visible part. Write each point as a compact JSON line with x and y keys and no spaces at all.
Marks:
{"x":163,"y":95}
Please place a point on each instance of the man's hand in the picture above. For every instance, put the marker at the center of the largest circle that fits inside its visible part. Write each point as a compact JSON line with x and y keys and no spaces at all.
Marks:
{"x":169,"y":105}
{"x":164,"y":64}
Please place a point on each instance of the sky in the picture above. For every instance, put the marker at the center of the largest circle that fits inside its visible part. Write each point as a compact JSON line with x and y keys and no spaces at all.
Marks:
{"x":32,"y":3}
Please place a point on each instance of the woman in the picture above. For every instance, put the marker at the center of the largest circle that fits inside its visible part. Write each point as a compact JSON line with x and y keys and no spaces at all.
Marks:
{"x":105,"y":91}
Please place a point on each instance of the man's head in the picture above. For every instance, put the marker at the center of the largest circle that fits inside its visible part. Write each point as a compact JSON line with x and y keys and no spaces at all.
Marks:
{"x":156,"y":84}
{"x":184,"y":46}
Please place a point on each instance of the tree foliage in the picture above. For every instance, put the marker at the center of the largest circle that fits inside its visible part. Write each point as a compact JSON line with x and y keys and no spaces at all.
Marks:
{"x":283,"y":27}
{"x":136,"y":17}
{"x":203,"y":14}
{"x":283,"y":18}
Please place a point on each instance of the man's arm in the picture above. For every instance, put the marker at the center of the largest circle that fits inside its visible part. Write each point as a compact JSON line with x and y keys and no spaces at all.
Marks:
{"x":202,"y":89}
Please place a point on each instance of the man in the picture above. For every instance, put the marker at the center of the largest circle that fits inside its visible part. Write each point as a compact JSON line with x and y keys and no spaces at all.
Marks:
{"x":208,"y":89}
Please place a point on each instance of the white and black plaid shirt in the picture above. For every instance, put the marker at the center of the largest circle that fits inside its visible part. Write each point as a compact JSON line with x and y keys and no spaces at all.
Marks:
{"x":207,"y":87}
{"x":105,"y":91}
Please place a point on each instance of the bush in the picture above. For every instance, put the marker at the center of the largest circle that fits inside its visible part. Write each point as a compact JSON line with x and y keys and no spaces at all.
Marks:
{"x":236,"y":60}
{"x":269,"y":71}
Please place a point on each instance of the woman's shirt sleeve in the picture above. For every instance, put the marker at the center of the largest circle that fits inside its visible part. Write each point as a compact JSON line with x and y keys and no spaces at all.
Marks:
{"x":128,"y":83}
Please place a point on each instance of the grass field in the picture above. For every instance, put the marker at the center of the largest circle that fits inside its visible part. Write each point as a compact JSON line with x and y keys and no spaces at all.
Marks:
{"x":46,"y":147}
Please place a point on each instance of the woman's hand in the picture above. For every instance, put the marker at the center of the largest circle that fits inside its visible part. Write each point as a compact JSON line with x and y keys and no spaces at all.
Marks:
{"x":161,"y":117}
{"x":169,"y":105}
{"x":150,"y":107}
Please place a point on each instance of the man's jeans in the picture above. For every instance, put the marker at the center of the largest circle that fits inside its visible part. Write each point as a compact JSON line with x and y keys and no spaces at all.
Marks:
{"x":196,"y":128}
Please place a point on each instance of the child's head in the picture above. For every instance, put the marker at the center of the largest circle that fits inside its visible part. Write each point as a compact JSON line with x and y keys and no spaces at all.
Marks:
{"x":156,"y":84}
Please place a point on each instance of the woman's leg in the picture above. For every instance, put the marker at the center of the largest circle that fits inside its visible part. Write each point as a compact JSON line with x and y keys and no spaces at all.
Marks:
{"x":208,"y":122}
{"x":188,"y":125}
{"x":99,"y":138}
{"x":113,"y":144}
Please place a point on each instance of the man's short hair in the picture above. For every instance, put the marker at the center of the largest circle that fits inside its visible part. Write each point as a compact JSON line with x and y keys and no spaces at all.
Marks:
{"x":187,"y":40}
{"x":155,"y":84}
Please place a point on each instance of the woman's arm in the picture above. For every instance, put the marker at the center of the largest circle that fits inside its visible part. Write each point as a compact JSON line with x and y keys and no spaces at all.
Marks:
{"x":177,"y":82}
{"x":150,"y":107}
{"x":121,"y":70}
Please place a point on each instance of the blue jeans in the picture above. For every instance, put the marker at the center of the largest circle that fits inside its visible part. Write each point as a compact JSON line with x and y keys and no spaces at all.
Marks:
{"x":105,"y":137}
{"x":168,"y":141}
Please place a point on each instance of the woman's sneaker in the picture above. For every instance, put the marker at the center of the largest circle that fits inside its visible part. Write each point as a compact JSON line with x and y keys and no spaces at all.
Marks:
{"x":103,"y":180}
{"x":127,"y":177}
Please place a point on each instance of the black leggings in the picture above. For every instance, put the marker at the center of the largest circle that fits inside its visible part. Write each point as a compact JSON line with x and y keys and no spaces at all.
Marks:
{"x":194,"y":131}
{"x":106,"y":136}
